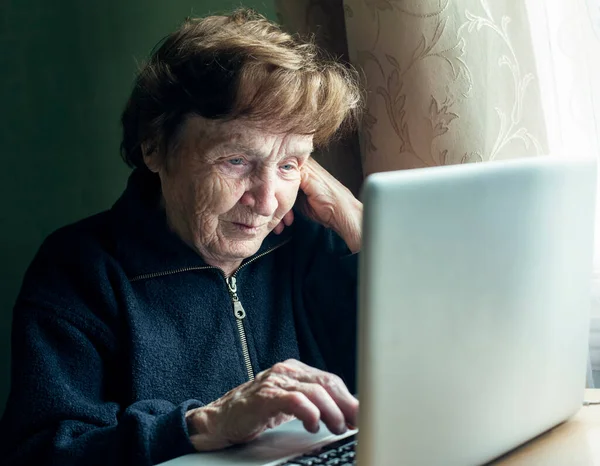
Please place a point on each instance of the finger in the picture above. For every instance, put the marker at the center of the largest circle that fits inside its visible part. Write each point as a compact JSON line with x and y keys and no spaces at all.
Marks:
{"x":279,"y":228}
{"x":302,"y":204}
{"x":337,"y":389}
{"x":305,"y":173}
{"x":288,"y":218}
{"x":334,"y":385}
{"x":281,"y":418}
{"x":316,"y":173}
{"x":329,"y":411}
{"x":347,"y":402}
{"x":314,"y":168}
{"x":298,"y":405}
{"x":311,"y":163}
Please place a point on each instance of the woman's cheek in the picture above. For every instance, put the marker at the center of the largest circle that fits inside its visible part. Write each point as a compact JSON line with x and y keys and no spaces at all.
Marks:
{"x":288,"y":196}
{"x":229,"y":192}
{"x":209,"y":192}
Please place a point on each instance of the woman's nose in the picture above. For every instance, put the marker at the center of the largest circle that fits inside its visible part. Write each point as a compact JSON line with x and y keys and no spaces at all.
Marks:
{"x":261,"y":196}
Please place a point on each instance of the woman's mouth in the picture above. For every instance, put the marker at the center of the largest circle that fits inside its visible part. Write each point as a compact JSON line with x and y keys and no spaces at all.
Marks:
{"x":247,"y":227}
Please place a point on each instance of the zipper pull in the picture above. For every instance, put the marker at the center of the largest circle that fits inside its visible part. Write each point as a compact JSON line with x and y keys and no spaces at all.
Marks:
{"x":238,"y":309}
{"x":231,"y":285}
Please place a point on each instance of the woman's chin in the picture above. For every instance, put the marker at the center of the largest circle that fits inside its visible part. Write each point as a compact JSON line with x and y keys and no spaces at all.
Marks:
{"x":243,"y":248}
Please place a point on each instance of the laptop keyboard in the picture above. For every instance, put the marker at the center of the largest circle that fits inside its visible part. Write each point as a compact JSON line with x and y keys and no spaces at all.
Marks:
{"x":339,"y":453}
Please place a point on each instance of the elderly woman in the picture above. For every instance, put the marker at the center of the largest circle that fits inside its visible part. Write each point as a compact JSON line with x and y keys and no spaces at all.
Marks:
{"x":177,"y":320}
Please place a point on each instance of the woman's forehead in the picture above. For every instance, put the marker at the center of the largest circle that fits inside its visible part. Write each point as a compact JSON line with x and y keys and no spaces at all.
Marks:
{"x":244,"y":136}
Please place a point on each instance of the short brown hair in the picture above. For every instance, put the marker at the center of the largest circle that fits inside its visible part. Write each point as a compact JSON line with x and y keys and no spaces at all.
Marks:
{"x":240,"y":65}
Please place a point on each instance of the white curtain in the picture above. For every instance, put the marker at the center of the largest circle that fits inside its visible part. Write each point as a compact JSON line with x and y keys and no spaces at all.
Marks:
{"x":458,"y":81}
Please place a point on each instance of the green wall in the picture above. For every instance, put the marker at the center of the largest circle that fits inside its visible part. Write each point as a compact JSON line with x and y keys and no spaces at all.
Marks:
{"x":67,"y":67}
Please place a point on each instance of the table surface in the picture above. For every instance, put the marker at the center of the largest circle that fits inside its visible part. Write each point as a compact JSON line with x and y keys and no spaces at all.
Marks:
{"x":575,"y":442}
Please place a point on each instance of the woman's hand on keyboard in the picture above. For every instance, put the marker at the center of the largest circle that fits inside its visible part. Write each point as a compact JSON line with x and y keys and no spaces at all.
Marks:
{"x":287,"y":390}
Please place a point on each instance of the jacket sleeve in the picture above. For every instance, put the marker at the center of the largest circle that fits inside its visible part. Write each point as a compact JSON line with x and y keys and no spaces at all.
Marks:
{"x":330,"y":296}
{"x":64,"y":407}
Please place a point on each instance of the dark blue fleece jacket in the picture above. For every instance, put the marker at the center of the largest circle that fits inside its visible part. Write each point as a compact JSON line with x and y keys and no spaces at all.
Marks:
{"x":120,"y":328}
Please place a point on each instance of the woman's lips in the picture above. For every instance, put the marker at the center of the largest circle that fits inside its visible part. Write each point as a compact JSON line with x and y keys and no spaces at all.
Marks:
{"x":247,"y":228}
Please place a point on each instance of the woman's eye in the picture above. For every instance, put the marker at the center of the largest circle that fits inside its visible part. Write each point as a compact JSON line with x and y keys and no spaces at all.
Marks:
{"x":237,"y":161}
{"x":287,"y":167}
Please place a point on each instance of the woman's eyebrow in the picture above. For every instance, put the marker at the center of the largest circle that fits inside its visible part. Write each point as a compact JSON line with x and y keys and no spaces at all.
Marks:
{"x":244,"y":149}
{"x":228,"y":147}
{"x":302,"y":150}
{"x":254,"y":152}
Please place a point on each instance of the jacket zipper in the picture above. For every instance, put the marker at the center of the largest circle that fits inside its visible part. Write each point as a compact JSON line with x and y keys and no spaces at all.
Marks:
{"x":240,"y":315}
{"x":146,"y":276}
{"x":238,"y":310}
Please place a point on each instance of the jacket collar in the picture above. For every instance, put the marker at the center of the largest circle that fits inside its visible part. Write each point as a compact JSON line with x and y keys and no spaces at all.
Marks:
{"x":144,"y":242}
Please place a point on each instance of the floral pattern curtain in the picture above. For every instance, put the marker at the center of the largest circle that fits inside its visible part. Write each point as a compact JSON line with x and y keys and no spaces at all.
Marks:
{"x":449,"y":81}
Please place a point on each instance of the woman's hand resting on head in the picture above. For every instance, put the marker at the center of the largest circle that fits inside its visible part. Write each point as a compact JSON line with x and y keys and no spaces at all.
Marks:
{"x":325,"y":200}
{"x":288,"y":389}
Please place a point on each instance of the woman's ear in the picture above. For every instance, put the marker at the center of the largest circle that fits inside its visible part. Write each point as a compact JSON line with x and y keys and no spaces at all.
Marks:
{"x":151,"y":156}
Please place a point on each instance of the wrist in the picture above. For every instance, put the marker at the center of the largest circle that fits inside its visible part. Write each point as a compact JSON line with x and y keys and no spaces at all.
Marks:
{"x":349,"y":225}
{"x":201,"y":423}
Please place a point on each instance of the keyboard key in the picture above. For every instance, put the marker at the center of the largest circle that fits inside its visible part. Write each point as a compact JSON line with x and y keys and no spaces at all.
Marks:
{"x":339,"y":453}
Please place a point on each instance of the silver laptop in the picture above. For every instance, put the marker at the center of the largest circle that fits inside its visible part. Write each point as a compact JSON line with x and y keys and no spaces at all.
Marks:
{"x":474,"y":315}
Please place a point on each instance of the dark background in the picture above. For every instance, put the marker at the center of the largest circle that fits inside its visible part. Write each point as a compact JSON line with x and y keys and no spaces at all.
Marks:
{"x":66,"y":70}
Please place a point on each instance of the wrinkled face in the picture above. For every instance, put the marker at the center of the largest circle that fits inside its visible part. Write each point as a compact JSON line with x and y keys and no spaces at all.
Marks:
{"x":228,"y":184}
